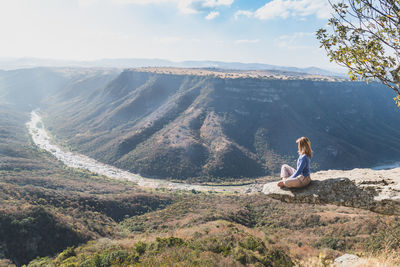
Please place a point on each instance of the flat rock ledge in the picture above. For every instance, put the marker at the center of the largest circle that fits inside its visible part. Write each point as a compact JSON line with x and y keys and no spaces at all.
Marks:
{"x":378,"y":191}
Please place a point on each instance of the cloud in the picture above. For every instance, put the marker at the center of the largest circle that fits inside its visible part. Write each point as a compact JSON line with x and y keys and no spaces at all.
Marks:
{"x":184,"y":6}
{"x":141,"y":2}
{"x":275,"y":8}
{"x":212,"y":15}
{"x":245,"y":13}
{"x":214,"y":3}
{"x":247,"y":41}
{"x":289,"y":8}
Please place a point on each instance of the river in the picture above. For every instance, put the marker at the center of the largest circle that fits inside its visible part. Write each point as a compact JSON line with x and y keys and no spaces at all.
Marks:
{"x":75,"y":160}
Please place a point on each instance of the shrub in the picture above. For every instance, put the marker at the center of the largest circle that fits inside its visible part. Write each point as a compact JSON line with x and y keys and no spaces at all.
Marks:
{"x":67,"y":253}
{"x":169,"y":242}
{"x":140,"y":247}
{"x":277,"y":257}
{"x":254,"y":244}
{"x":330,"y":242}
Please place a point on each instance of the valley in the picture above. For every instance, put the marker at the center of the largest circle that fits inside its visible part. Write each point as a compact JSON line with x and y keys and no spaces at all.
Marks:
{"x":198,"y":126}
{"x":208,"y":125}
{"x":74,"y":186}
{"x":75,"y":160}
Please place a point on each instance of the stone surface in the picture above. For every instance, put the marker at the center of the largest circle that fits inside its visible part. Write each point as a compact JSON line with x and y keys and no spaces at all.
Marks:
{"x":346,"y":260}
{"x":378,"y":191}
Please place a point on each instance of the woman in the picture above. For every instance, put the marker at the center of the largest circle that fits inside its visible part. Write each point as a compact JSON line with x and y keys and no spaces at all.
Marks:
{"x":301,"y":177}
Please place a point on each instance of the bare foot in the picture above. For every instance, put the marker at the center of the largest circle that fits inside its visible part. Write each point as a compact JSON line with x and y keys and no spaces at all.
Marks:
{"x":281,"y":184}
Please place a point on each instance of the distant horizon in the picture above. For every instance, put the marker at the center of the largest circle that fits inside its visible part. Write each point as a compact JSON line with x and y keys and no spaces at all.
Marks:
{"x":337,"y":70}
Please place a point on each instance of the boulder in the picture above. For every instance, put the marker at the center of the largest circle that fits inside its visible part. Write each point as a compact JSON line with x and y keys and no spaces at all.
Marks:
{"x":374,"y":190}
{"x":346,"y":260}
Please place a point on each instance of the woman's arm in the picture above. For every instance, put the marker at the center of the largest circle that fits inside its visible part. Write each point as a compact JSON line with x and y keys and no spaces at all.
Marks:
{"x":300,"y":168}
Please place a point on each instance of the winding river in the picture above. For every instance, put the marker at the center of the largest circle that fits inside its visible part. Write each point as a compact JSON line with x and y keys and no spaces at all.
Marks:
{"x":75,"y":160}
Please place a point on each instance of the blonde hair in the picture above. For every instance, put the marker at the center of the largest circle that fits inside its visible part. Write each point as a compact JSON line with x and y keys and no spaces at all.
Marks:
{"x":304,"y":146}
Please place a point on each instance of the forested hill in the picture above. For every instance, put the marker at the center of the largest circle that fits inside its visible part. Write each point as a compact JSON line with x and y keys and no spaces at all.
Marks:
{"x":179,"y":124}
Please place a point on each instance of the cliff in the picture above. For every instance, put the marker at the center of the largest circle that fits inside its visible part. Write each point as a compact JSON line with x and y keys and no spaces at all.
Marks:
{"x":378,"y":191}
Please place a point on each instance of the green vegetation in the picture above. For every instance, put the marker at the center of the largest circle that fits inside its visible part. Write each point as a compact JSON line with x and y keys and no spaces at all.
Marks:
{"x":207,"y":229}
{"x":224,"y":248}
{"x":365,"y":40}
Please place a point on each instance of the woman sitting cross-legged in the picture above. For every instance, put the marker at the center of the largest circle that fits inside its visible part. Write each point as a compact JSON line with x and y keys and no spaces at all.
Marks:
{"x":292,"y":178}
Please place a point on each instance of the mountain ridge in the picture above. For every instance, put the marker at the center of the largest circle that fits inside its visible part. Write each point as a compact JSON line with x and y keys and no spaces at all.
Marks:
{"x":186,"y":126}
{"x":123,"y":63}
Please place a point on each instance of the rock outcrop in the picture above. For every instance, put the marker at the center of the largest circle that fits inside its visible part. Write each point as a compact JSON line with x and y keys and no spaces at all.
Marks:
{"x":378,"y":191}
{"x":346,"y":260}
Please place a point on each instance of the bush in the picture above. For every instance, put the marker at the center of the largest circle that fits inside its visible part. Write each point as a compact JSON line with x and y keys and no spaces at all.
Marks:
{"x":140,"y":247}
{"x":330,"y":242}
{"x":277,"y":258}
{"x":67,"y":253}
{"x":254,"y":244}
{"x":169,"y":242}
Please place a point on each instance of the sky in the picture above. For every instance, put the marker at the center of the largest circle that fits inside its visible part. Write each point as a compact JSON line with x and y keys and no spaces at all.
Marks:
{"x":278,"y":32}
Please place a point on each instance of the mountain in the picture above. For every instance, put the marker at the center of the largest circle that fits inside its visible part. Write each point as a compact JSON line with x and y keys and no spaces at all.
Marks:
{"x":169,"y":124}
{"x":123,"y":63}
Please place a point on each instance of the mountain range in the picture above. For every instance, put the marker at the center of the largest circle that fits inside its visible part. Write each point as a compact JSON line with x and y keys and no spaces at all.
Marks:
{"x":123,"y":63}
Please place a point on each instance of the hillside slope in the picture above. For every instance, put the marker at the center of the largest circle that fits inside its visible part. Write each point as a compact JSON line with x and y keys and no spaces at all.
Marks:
{"x":181,"y":126}
{"x":46,"y":207}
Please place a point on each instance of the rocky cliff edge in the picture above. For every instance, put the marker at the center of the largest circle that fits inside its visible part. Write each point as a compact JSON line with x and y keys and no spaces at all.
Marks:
{"x":378,"y":191}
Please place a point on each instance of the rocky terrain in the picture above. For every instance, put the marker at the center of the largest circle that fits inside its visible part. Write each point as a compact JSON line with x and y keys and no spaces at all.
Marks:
{"x":375,"y":190}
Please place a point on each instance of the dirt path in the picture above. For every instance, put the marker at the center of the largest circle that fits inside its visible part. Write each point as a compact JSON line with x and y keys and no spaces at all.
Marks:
{"x":75,"y":160}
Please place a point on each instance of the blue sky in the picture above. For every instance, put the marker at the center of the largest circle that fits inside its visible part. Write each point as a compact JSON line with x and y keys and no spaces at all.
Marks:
{"x":279,"y":32}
